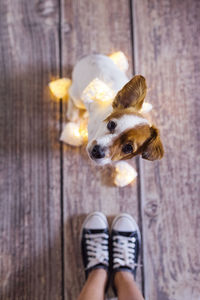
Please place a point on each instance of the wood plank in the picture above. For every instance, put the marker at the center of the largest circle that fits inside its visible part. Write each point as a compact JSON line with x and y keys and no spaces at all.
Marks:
{"x":90,"y":27}
{"x":30,"y":244}
{"x":167,"y":44}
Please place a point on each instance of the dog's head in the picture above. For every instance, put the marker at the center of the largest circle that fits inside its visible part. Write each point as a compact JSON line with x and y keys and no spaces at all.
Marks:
{"x":126,"y":133}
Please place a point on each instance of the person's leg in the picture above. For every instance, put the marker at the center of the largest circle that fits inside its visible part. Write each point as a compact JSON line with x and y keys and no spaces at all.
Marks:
{"x":94,"y":287}
{"x":95,"y":254}
{"x":125,"y":238}
{"x":126,"y":287}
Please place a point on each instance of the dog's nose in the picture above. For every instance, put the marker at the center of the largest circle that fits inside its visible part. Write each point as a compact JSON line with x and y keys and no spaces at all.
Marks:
{"x":97,"y":152}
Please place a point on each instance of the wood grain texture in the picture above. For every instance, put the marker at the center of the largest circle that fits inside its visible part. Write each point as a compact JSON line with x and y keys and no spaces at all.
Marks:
{"x":167,"y":43}
{"x":30,"y":247}
{"x":166,"y":51}
{"x":90,"y":27}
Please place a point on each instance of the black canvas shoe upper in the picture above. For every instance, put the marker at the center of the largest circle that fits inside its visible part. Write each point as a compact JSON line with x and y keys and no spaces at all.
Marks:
{"x":125,"y":251}
{"x":95,"y":251}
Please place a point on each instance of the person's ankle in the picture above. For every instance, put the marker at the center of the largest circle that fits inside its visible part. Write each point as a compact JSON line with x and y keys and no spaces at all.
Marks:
{"x":122,"y":276}
{"x":99,"y":273}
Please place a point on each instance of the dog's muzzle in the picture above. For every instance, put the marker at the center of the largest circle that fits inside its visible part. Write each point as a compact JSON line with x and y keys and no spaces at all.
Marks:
{"x":97,"y":152}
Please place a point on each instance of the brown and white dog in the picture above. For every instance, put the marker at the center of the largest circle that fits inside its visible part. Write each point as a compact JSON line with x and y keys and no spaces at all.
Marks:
{"x":117,"y":130}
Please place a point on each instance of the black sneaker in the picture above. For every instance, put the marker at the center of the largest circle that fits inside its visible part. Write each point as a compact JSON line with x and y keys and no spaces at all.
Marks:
{"x":94,"y":242}
{"x":125,"y":244}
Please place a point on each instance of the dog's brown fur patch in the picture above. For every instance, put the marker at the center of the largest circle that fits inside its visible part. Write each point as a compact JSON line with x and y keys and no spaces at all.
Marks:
{"x":144,"y":139}
{"x":132,"y":94}
{"x":136,"y":137}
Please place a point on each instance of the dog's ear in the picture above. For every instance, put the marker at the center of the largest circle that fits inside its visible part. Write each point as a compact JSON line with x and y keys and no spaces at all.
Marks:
{"x":132,"y":94}
{"x":153,"y":148}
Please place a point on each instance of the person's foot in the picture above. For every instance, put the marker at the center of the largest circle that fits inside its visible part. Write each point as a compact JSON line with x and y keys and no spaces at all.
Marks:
{"x":94,"y":242}
{"x":125,"y":240}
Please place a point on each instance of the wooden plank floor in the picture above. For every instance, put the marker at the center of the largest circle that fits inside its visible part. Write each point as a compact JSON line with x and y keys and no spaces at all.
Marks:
{"x":167,"y":43}
{"x":48,"y":188}
{"x":30,"y":238}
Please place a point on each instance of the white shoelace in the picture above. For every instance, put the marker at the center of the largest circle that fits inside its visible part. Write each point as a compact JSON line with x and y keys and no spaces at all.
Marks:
{"x":97,"y":249}
{"x":124,"y":251}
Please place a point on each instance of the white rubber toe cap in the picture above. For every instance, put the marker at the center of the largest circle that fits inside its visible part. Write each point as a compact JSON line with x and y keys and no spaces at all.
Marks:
{"x":125,"y":223}
{"x":95,"y":220}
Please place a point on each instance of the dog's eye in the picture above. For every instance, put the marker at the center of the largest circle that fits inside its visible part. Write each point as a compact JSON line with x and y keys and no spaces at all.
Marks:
{"x":111,"y":125}
{"x":128,"y":148}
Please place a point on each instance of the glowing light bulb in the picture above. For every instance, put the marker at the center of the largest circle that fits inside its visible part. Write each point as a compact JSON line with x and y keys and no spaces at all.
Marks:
{"x":84,"y":133}
{"x":71,"y":135}
{"x":75,"y":134}
{"x":59,"y":87}
{"x":120,"y":60}
{"x":97,"y":90}
{"x":125,"y":174}
{"x":146,"y":107}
